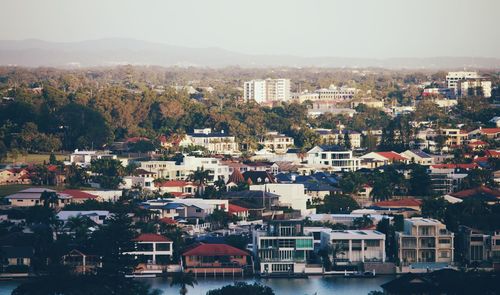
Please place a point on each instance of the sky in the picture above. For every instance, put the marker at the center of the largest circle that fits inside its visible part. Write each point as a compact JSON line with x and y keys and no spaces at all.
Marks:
{"x":348,"y":28}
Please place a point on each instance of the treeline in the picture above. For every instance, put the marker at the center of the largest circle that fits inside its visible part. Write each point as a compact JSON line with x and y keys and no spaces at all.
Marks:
{"x":51,"y":110}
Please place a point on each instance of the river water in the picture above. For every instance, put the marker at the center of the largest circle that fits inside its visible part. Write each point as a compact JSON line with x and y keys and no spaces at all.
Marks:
{"x":310,"y":286}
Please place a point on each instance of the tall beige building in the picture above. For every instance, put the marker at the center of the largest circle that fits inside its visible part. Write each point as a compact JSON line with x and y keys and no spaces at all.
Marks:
{"x":267,"y":90}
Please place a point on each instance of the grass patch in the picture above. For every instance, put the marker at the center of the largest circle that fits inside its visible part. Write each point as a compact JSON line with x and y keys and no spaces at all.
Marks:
{"x":35,"y":158}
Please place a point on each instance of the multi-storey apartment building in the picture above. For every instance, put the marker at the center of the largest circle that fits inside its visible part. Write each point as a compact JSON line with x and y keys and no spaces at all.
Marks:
{"x":354,"y":246}
{"x":214,"y":142}
{"x":447,"y":178}
{"x":282,"y":247}
{"x":268,"y":90}
{"x":335,"y":157}
{"x":424,"y":240}
{"x":454,"y":136}
{"x":332,"y":93}
{"x":337,"y":136}
{"x":475,"y":87}
{"x":152,"y":249}
{"x":279,"y":143}
{"x":474,"y":245}
{"x":170,"y":170}
{"x":453,"y":78}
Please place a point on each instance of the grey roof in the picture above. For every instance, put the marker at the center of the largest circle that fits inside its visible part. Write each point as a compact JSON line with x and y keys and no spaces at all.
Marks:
{"x":421,"y":154}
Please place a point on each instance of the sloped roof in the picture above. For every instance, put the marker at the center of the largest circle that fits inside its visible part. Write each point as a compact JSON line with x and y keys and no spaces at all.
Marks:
{"x":236,"y":177}
{"x":392,"y":156}
{"x":482,"y":192}
{"x":215,"y":250}
{"x":490,"y":130}
{"x":235,"y":208}
{"x":77,"y":194}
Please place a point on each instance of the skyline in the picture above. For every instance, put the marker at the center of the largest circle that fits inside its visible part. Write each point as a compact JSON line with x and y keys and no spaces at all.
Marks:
{"x":359,"y":29}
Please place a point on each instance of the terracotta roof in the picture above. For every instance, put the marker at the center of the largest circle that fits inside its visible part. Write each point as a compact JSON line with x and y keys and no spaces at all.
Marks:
{"x":392,"y":156}
{"x":236,"y":177}
{"x":478,"y":191}
{"x":173,"y":183}
{"x":493,"y":153}
{"x":76,"y":194}
{"x":215,"y":250}
{"x":477,"y":142}
{"x":235,"y":209}
{"x":455,"y":166}
{"x":400,"y":203}
{"x":180,"y":194}
{"x":151,"y":238}
{"x":490,"y":130}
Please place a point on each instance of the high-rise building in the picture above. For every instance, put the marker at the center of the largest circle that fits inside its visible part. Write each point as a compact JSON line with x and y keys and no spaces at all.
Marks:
{"x":463,"y":83}
{"x":267,"y":90}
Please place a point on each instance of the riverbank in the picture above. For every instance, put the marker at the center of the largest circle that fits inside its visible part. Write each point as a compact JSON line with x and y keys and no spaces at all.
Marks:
{"x":313,"y":285}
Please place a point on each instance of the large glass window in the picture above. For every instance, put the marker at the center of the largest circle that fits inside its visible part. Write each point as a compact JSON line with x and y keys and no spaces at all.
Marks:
{"x":304,"y":244}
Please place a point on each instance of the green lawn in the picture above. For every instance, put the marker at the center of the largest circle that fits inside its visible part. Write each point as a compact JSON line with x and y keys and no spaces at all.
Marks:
{"x":35,"y":158}
{"x":9,"y":189}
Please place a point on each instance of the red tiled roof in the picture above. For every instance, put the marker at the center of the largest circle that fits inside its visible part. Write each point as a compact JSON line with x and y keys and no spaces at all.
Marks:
{"x":400,"y":203}
{"x":490,"y":130}
{"x":493,"y":153}
{"x":173,"y":183}
{"x":76,"y":194}
{"x":235,"y":209}
{"x":477,"y":142}
{"x":482,"y":190}
{"x":481,"y":159}
{"x":151,"y":238}
{"x":215,"y":250}
{"x":236,"y":177}
{"x":454,"y":166}
{"x":392,"y":156}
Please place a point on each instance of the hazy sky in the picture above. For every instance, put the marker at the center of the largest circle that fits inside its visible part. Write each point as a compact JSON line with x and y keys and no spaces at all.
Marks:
{"x":348,"y":28}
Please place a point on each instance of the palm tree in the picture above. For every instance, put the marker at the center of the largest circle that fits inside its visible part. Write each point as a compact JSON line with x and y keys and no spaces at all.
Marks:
{"x":200,"y":177}
{"x":80,"y":226}
{"x":336,"y":250}
{"x":49,"y":199}
{"x":183,"y":280}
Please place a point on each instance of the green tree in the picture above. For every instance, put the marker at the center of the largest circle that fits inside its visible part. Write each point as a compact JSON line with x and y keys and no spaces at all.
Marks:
{"x":420,"y":181}
{"x":335,"y":204}
{"x":183,"y":280}
{"x":108,"y":172}
{"x":76,"y":176}
{"x":242,"y":288}
{"x":434,"y":207}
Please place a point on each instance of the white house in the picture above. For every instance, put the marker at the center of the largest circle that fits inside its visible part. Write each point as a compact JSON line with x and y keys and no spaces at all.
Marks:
{"x":333,"y":157}
{"x":152,"y":249}
{"x":214,"y":142}
{"x":418,"y":157}
{"x":290,"y":194}
{"x":84,"y":158}
{"x":97,"y":216}
{"x":355,"y":245}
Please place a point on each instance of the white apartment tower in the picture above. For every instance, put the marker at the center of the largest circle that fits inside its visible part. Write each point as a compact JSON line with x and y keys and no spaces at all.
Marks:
{"x":461,"y":82}
{"x":267,"y":90}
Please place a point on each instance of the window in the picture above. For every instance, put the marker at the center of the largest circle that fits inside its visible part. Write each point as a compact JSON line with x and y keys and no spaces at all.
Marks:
{"x":372,"y":243}
{"x":304,"y":243}
{"x":163,"y":247}
{"x":444,"y":241}
{"x":444,"y":254}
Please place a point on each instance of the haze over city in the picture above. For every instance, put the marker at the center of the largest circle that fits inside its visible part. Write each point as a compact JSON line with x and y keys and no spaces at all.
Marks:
{"x":359,"y":28}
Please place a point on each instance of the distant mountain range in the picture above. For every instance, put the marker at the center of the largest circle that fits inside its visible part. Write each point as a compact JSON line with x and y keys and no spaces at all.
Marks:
{"x":108,"y":52}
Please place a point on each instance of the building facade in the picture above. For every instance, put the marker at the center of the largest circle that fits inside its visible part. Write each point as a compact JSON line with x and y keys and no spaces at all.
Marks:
{"x":282,"y":247}
{"x":424,"y":240}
